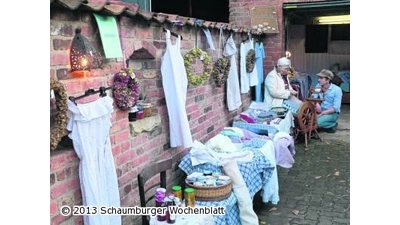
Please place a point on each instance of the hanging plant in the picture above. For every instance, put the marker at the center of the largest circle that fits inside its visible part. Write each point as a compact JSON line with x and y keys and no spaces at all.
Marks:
{"x":126,"y":89}
{"x":221,"y":70}
{"x":250,"y":60}
{"x":197,"y":79}
{"x":59,"y":128}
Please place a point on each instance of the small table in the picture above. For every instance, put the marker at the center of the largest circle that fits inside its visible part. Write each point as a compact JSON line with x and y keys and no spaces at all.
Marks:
{"x":186,"y":220}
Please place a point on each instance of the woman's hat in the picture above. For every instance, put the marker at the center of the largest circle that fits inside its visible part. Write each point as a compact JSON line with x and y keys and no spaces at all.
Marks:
{"x":326,"y":73}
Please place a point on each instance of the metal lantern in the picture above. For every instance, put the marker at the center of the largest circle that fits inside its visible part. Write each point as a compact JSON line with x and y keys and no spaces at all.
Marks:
{"x":82,"y":55}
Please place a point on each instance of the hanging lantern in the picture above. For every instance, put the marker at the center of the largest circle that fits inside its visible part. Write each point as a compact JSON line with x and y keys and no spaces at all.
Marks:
{"x":83,"y":55}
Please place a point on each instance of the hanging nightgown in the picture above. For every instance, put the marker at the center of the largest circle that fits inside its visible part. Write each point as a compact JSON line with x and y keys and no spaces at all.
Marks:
{"x":247,"y":80}
{"x":234,"y":100}
{"x":175,"y":83}
{"x":260,"y":55}
{"x":90,"y":125}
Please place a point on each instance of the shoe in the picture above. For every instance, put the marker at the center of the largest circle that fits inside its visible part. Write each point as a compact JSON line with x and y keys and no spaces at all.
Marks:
{"x":314,"y":136}
{"x":332,"y":130}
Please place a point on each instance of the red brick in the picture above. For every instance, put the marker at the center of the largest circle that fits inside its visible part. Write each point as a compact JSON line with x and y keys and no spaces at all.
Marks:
{"x":126,"y":178}
{"x":125,"y":157}
{"x":59,"y":58}
{"x":138,"y":140}
{"x":63,"y":174}
{"x":53,"y":207}
{"x":119,"y":126}
{"x":57,"y":161}
{"x":61,"y":44}
{"x":125,"y":146}
{"x":93,"y":83}
{"x":141,"y":160}
{"x":116,"y":149}
{"x":61,"y":188}
{"x":73,"y":87}
{"x":122,"y":136}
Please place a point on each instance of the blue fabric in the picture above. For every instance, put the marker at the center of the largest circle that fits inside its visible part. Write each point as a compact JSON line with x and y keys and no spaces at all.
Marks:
{"x":332,"y":98}
{"x":327,"y":121}
{"x":260,"y":55}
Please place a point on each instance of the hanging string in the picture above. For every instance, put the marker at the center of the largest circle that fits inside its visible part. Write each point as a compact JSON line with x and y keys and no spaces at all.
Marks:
{"x":195,"y":35}
{"x":221,"y":40}
{"x":197,"y":22}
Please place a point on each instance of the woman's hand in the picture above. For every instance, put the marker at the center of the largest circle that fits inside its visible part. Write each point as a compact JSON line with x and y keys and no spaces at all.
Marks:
{"x":293,"y":92}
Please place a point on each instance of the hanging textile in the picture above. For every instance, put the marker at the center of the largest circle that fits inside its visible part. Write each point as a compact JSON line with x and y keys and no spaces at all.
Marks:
{"x":175,"y":83}
{"x":260,"y":55}
{"x":90,"y":125}
{"x":247,"y":80}
{"x":234,"y":100}
{"x":209,"y":38}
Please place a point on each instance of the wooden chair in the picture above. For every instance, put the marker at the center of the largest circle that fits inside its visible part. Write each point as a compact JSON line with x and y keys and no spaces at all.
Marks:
{"x":159,"y":168}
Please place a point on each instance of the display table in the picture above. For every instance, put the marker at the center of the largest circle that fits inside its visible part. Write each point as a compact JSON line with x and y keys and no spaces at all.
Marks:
{"x":281,"y":124}
{"x":231,"y":216}
{"x":255,"y":173}
{"x":186,"y":220}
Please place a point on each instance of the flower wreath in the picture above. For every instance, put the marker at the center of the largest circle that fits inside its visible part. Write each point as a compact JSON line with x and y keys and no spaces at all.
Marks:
{"x":59,"y":129}
{"x":221,"y":70}
{"x":126,"y":89}
{"x":250,"y":60}
{"x":197,"y":79}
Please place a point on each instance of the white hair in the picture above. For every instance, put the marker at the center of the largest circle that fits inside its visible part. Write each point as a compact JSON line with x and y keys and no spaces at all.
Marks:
{"x":284,"y":62}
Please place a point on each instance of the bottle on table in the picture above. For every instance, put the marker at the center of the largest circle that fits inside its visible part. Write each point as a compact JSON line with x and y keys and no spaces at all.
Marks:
{"x":171,"y":218}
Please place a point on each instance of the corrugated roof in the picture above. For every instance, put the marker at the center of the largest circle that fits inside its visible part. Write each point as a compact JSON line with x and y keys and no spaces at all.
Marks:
{"x":133,"y":10}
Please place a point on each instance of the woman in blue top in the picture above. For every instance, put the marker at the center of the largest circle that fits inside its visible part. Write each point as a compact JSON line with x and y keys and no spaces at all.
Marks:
{"x":328,"y":111}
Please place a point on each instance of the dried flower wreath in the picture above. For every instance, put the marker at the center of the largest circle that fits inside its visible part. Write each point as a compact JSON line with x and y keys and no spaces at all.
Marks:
{"x":250,"y":60}
{"x":126,"y":89}
{"x":221,"y":71}
{"x":197,"y":79}
{"x":59,"y":129}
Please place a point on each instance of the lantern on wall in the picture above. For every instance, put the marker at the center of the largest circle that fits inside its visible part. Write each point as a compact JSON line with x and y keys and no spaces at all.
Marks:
{"x":83,"y":56}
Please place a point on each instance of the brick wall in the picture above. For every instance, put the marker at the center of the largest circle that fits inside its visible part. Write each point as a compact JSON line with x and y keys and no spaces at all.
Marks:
{"x":205,"y":106}
{"x":274,"y":44}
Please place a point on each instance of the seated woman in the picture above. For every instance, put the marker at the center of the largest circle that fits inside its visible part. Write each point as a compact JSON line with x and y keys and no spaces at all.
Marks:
{"x":277,"y":86}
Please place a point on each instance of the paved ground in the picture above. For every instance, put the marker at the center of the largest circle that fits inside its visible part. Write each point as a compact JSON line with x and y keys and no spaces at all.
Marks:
{"x":316,"y":190}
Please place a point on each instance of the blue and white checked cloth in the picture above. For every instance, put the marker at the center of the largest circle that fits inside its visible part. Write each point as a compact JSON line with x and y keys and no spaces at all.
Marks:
{"x":255,"y":173}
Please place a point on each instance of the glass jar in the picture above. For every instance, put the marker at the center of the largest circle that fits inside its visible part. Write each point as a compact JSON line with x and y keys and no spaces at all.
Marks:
{"x":147,"y":109}
{"x":189,"y":197}
{"x":177,"y":190}
{"x":159,"y":198}
{"x":170,"y":203}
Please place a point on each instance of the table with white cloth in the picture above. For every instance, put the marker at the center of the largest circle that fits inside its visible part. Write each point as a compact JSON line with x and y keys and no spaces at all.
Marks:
{"x":186,"y":220}
{"x":255,"y":173}
{"x":230,"y":217}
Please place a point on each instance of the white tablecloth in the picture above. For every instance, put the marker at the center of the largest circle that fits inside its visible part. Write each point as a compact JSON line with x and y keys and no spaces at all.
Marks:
{"x":186,"y":220}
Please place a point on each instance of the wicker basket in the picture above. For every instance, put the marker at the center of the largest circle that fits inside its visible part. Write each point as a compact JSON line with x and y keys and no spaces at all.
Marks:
{"x":211,"y":193}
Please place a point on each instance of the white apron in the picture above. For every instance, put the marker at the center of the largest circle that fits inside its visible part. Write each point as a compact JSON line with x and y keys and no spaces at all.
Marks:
{"x":175,"y":83}
{"x":234,"y":100}
{"x":90,"y":125}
